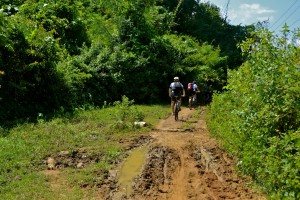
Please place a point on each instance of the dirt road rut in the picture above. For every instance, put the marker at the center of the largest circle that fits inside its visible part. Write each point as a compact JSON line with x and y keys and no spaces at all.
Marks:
{"x":185,"y":163}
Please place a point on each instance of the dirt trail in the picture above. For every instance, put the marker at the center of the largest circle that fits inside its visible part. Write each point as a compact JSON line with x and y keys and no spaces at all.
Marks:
{"x":181,"y":161}
{"x":185,"y":163}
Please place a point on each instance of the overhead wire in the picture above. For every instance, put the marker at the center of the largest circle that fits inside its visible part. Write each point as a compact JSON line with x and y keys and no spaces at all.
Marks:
{"x":292,"y":24}
{"x":287,"y":18}
{"x":223,"y":8}
{"x":283,"y":14}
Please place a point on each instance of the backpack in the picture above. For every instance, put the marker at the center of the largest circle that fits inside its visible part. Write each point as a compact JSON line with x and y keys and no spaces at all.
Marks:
{"x":176,"y":87}
{"x":190,"y":87}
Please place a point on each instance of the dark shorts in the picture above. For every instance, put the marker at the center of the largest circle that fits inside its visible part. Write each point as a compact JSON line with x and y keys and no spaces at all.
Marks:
{"x":175,"y":95}
{"x":191,"y":93}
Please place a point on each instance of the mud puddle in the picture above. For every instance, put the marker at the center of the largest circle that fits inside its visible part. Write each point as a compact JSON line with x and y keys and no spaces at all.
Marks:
{"x":131,"y":168}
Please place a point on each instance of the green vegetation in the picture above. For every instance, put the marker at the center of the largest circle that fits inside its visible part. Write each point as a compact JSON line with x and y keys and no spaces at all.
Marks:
{"x":92,"y":133}
{"x":57,"y":56}
{"x":61,"y":58}
{"x":258,"y":116}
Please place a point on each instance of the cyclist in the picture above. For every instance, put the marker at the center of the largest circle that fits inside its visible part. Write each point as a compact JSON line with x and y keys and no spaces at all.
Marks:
{"x":193,"y":93}
{"x":176,"y":89}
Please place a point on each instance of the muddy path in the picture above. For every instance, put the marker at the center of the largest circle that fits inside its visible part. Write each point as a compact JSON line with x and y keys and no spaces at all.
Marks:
{"x":183,"y":162}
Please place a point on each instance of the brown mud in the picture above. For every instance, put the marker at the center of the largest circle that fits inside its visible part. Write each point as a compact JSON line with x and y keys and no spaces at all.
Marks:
{"x":185,"y":163}
{"x":181,"y":162}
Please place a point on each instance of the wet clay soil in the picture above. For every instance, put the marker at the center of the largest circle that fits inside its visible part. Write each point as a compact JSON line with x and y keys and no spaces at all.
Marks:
{"x":184,"y":162}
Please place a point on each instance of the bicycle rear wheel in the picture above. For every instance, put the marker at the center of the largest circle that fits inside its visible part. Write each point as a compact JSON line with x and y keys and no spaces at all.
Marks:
{"x":176,"y":109}
{"x":194,"y":101}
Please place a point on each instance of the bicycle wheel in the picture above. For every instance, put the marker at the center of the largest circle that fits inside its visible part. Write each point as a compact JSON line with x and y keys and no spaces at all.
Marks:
{"x":176,"y":109}
{"x":194,"y":100}
{"x":192,"y":103}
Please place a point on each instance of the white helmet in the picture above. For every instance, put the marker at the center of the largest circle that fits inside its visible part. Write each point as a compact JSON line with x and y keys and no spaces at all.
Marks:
{"x":176,"y":78}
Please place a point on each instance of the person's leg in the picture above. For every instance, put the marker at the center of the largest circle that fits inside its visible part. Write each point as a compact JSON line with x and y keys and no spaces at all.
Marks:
{"x":194,"y":100}
{"x":190,"y":101}
{"x":180,"y":100}
{"x":172,"y":105}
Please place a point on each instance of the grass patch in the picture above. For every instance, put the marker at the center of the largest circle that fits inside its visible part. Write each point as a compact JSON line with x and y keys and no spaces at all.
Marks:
{"x":89,"y":134}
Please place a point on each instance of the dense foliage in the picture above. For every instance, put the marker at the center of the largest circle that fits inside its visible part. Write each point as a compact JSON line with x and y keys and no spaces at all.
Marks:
{"x":60,"y":55}
{"x":204,"y":22}
{"x":64,"y":55}
{"x":258,"y":117}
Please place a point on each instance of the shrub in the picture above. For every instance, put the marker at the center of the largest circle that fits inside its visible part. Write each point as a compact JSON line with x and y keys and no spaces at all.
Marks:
{"x":261,"y":107}
{"x":126,"y":113}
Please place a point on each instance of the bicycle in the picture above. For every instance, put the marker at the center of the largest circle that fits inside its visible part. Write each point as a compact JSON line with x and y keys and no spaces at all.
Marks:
{"x":193,"y":102}
{"x":176,"y":107}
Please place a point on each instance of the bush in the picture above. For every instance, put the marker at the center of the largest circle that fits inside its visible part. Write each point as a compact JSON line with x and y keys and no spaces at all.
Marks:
{"x":261,"y":107}
{"x":126,"y":113}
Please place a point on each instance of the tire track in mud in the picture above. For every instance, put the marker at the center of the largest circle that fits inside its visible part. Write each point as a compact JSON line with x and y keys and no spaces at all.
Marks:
{"x":185,"y":163}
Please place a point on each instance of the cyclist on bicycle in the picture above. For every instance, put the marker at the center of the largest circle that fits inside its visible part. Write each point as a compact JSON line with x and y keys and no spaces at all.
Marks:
{"x":176,"y":89}
{"x":193,"y":93}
